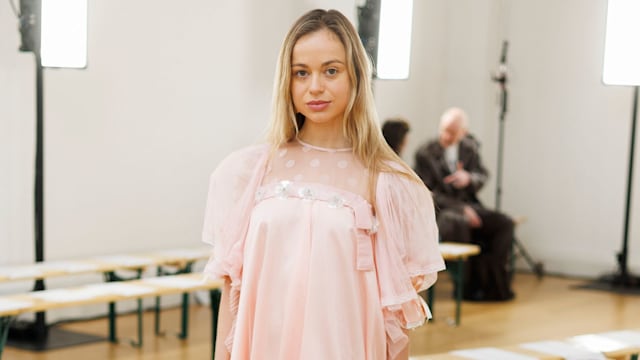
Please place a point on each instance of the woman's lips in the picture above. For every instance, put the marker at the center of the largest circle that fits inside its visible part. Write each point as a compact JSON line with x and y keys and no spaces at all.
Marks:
{"x":318,"y":105}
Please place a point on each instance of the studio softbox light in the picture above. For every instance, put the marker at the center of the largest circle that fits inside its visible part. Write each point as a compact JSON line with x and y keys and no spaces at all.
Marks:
{"x":56,"y":31}
{"x":64,"y":33}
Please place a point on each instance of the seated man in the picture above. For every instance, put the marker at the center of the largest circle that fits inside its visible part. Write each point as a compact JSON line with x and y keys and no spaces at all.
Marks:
{"x":451,"y":167}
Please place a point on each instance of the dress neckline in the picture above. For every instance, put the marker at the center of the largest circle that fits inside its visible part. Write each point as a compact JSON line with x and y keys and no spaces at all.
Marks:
{"x":319,"y":148}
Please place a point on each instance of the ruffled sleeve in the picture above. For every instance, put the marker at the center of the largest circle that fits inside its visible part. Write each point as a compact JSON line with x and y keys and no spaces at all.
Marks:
{"x":406,"y":247}
{"x":232,"y":187}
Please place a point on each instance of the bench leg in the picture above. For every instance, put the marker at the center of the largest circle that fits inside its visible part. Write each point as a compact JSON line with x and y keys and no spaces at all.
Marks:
{"x":5,"y":321}
{"x":111,"y":276}
{"x":430,"y":296}
{"x":156,"y":310}
{"x":112,"y":323}
{"x":214,"y":296}
{"x":185,"y":317}
{"x":456,"y":270}
{"x":184,"y":332}
{"x":458,"y":278}
{"x":140,"y":326}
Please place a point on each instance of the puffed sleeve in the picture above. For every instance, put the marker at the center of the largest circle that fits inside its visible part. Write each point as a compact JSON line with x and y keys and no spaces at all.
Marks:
{"x":232,"y":187}
{"x":406,"y":247}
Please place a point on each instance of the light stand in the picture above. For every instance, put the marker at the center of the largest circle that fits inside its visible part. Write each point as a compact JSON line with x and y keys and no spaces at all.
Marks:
{"x":622,"y":67}
{"x":30,"y":14}
{"x":37,"y":335}
{"x":501,"y":78}
{"x":623,"y":278}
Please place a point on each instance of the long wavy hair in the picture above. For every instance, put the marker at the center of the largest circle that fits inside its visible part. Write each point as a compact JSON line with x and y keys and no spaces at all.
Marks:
{"x":360,"y":123}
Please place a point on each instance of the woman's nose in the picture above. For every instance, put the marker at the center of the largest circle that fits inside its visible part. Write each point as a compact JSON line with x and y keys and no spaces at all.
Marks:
{"x":317,"y":84}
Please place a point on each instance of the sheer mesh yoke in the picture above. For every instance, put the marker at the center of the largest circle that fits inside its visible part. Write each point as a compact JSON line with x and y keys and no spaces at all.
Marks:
{"x":303,"y":163}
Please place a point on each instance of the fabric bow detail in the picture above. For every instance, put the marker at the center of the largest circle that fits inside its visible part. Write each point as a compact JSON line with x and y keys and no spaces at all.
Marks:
{"x":365,"y":228}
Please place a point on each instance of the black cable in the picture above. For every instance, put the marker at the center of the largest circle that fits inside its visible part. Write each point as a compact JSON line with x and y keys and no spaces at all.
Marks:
{"x":15,"y":10}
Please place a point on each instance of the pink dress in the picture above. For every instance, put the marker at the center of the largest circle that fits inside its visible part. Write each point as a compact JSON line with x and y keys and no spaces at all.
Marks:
{"x":314,"y":275}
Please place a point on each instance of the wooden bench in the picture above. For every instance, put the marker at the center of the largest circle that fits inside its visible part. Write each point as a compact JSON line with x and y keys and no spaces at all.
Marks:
{"x":168,"y":262}
{"x":104,"y":264}
{"x":614,"y":345}
{"x":456,"y":255}
{"x":618,"y":345}
{"x":13,"y":305}
{"x":490,"y":353}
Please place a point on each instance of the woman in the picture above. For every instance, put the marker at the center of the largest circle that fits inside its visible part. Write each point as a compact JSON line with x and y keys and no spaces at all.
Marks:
{"x":323,"y":236}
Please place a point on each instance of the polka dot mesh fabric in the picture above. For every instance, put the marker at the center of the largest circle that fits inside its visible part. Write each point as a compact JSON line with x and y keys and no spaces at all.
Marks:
{"x":307,"y":164}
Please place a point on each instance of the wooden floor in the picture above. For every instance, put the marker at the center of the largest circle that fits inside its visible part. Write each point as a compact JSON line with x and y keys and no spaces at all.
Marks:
{"x":543,"y":309}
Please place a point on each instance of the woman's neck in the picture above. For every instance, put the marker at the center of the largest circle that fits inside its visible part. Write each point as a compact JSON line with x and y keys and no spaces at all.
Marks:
{"x":322,"y":136}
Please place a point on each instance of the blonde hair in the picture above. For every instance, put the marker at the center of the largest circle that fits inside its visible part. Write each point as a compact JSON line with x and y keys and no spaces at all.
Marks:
{"x":360,"y":123}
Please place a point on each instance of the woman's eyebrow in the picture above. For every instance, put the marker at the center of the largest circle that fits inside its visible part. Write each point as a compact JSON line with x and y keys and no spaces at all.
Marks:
{"x":329,"y":62}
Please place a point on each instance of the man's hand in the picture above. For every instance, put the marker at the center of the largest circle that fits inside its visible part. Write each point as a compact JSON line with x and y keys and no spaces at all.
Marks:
{"x":472,"y":217}
{"x":460,"y":178}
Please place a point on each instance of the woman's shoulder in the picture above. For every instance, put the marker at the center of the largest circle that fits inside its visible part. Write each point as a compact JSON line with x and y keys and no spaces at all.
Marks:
{"x":399,"y":179}
{"x":255,"y":150}
{"x":247,"y":153}
{"x":242,"y":160}
{"x":396,"y":171}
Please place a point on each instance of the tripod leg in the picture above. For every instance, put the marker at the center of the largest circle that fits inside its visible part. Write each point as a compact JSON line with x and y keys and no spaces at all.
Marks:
{"x":535,"y":266}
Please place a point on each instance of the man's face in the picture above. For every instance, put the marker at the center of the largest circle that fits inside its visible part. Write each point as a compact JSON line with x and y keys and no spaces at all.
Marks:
{"x":451,"y":131}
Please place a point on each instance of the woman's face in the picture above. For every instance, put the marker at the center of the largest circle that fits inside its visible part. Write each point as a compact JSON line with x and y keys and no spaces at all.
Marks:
{"x":320,"y":85}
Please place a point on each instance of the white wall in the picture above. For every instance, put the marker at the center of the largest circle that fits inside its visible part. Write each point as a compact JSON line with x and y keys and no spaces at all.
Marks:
{"x":131,"y":140}
{"x":568,"y":139}
{"x":170,"y":90}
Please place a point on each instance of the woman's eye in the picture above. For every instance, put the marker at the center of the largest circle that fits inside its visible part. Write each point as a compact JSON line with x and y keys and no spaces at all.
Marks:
{"x":300,"y":73}
{"x":332,"y":71}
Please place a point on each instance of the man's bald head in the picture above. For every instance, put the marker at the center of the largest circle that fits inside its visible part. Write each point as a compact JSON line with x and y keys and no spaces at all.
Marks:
{"x":453,"y":126}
